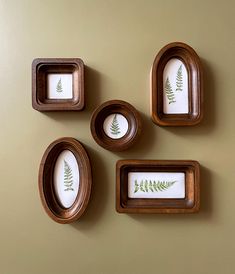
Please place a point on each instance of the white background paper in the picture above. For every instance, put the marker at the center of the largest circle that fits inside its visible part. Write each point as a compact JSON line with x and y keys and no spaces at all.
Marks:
{"x":182,"y":104}
{"x":177,"y":190}
{"x":66,"y":81}
{"x":66,"y":198}
{"x":122,"y":122}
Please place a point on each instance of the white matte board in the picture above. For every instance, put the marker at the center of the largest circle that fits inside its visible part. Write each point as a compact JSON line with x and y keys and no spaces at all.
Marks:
{"x":156,"y":185}
{"x":115,"y":126}
{"x":59,"y":86}
{"x":66,"y":178}
{"x":175,"y":88}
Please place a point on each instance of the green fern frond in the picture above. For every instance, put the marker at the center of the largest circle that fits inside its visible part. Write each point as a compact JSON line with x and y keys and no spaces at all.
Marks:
{"x":169,"y":93}
{"x":68,"y":177}
{"x":142,"y":186}
{"x":179,"y":79}
{"x":114,"y":128}
{"x":136,"y":186}
{"x":59,"y":87}
{"x":70,"y":188}
{"x":151,"y":186}
{"x":146,"y":186}
{"x":154,"y":186}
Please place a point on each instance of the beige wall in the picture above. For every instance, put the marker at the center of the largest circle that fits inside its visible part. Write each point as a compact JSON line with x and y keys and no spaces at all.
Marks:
{"x":117,"y":41}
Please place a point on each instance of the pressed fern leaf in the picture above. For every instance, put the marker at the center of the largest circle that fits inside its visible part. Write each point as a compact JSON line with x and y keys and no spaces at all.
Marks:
{"x":114,"y":128}
{"x":59,"y":86}
{"x":146,"y":186}
{"x":136,"y":186}
{"x":151,"y":186}
{"x":169,"y":93}
{"x":155,"y":186}
{"x":179,"y":79}
{"x":68,"y":177}
{"x":142,"y":186}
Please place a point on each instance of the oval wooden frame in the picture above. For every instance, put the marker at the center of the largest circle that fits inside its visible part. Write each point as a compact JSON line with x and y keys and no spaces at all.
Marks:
{"x":129,"y":112}
{"x":193,"y":65}
{"x":45,"y":181}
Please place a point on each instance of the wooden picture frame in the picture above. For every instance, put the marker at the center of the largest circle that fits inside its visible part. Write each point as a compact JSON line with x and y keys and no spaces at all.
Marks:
{"x":176,"y":86}
{"x":58,"y":200}
{"x":58,"y":84}
{"x":188,"y":193}
{"x":116,"y":125}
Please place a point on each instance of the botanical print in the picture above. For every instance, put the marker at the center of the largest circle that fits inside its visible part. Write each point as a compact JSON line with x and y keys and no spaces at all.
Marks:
{"x":68,"y":177}
{"x":179,"y":86}
{"x":146,"y":186}
{"x":59,"y":86}
{"x":175,"y":89}
{"x":179,"y":79}
{"x":115,"y":125}
{"x":169,"y":93}
{"x":152,"y":185}
{"x":114,"y":128}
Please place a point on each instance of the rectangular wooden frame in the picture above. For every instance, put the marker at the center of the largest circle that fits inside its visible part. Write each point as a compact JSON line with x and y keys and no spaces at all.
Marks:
{"x":189,"y":204}
{"x":41,"y":67}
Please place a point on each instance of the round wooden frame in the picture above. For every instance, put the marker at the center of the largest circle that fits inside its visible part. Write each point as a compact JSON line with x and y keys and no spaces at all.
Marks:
{"x":45,"y":181}
{"x":123,"y":108}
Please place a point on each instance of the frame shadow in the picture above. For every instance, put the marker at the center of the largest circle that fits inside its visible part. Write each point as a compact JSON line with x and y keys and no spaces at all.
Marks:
{"x":100,"y":185}
{"x":206,"y":207}
{"x":92,"y":85}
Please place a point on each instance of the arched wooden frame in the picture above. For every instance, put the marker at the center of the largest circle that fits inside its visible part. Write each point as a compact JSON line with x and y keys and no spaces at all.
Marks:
{"x":192,"y":63}
{"x":46,"y":186}
{"x":133,"y":119}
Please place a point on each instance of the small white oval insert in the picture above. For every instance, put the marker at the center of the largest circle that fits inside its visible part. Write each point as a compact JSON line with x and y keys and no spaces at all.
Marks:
{"x":175,"y":87}
{"x":115,"y":126}
{"x":66,"y":178}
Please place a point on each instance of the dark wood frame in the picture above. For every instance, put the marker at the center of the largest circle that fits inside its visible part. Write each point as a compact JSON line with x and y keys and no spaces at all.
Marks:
{"x":129,"y":112}
{"x":45,"y":181}
{"x":193,"y":65}
{"x":189,"y":204}
{"x":41,"y":67}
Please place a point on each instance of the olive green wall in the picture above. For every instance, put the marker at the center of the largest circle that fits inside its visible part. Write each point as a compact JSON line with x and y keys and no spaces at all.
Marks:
{"x":118,"y":41}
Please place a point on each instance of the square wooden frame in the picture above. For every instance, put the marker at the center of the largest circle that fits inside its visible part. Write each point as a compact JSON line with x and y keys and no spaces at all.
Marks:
{"x":192,"y":63}
{"x":189,"y":204}
{"x":41,"y":67}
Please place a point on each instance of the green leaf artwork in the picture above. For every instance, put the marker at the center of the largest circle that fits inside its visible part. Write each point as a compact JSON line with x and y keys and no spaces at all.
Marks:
{"x":169,"y":93}
{"x":141,"y":186}
{"x":179,"y":79}
{"x":68,"y":177}
{"x":153,"y":186}
{"x":59,"y":86}
{"x":114,"y":128}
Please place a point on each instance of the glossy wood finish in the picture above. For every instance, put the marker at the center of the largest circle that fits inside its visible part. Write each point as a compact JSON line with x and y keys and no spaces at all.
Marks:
{"x":41,"y":67}
{"x":190,"y":204}
{"x":45,"y":181}
{"x":112,"y":107}
{"x":192,"y":63}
